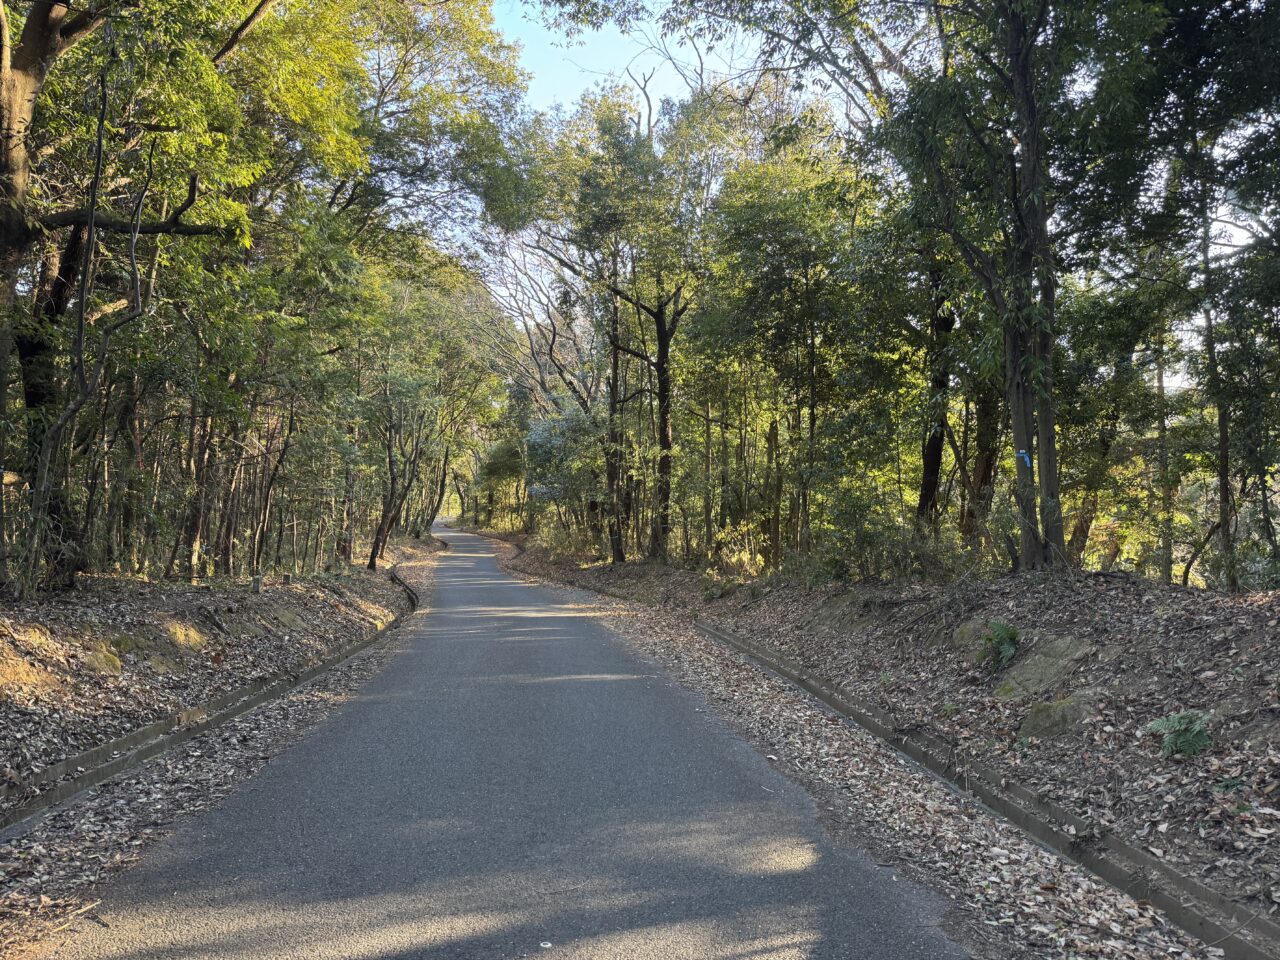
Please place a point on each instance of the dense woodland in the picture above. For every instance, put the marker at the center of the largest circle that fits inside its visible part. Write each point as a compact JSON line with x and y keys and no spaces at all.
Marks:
{"x":233,"y":342}
{"x":910,"y":289}
{"x":924,"y":289}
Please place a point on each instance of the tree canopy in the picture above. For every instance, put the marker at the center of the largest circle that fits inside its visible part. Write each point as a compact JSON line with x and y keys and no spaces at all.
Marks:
{"x":922,"y":287}
{"x":919,"y":289}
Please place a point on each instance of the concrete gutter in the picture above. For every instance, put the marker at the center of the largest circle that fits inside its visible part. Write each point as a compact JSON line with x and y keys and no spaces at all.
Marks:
{"x":1202,"y":912}
{"x":69,"y":778}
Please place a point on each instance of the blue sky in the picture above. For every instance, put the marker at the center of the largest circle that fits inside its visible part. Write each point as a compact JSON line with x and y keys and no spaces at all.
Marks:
{"x":562,"y":69}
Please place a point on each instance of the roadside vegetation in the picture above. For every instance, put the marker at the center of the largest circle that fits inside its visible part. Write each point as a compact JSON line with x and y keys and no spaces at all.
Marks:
{"x":935,"y":347}
{"x":232,"y":334}
{"x":234,"y":363}
{"x":931,"y":291}
{"x":935,"y":344}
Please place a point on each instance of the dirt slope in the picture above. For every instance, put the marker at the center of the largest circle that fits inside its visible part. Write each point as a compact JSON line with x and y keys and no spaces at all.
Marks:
{"x":1097,"y":659}
{"x":85,"y":667}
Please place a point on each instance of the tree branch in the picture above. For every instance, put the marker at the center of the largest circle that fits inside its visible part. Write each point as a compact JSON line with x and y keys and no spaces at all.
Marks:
{"x":259,"y":13}
{"x":581,"y":274}
{"x":172,"y":225}
{"x":82,"y":24}
{"x":622,"y":348}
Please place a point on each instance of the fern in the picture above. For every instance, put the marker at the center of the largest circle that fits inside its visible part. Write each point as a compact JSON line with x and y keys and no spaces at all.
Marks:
{"x":1000,"y":645}
{"x":1185,"y":732}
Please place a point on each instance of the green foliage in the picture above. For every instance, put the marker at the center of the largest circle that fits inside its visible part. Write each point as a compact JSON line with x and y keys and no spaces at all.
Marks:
{"x":301,"y":374}
{"x":503,"y":463}
{"x":791,"y":325}
{"x":564,"y":457}
{"x":565,"y":541}
{"x":736,"y":552}
{"x":1185,"y":733}
{"x":999,"y":646}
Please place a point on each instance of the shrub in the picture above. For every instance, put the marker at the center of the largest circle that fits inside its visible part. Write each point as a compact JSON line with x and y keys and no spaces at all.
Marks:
{"x":738,"y":554}
{"x":571,"y":543}
{"x":1185,"y":732}
{"x":1000,"y":645}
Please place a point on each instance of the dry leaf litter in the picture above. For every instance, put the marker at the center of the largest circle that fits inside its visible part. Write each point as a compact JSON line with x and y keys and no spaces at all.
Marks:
{"x":1139,"y":651}
{"x":48,"y":877}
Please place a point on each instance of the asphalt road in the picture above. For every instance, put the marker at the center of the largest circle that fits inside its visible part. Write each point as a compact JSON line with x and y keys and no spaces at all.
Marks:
{"x":514,"y":783}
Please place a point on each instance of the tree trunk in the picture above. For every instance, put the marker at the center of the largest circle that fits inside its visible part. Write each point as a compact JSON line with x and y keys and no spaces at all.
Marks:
{"x":35,"y":346}
{"x":20,"y":88}
{"x":346,"y":530}
{"x":198,"y":513}
{"x":773,"y":500}
{"x":661,"y":530}
{"x":1029,"y":335}
{"x":941,"y":323}
{"x":441,"y":489}
{"x":1217,"y":392}
{"x":613,"y":441}
{"x":986,"y":456}
{"x":268,"y":497}
{"x":1021,"y":410}
{"x":708,"y":490}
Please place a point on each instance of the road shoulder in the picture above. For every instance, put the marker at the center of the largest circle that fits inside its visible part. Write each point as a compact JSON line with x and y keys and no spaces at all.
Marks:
{"x":1011,"y":897}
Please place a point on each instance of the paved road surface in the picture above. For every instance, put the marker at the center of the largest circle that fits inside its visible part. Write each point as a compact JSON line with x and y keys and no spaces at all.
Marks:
{"x":514,"y":777}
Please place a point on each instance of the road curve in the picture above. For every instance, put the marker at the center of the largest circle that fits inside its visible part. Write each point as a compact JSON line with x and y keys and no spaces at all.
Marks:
{"x":515,"y":782}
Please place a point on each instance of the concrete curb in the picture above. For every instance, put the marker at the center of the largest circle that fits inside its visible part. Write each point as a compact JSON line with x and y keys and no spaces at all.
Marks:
{"x":94,"y":766}
{"x":1200,"y":911}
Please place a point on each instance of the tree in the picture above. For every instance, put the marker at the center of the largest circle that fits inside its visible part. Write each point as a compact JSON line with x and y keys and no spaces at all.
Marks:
{"x":931,"y":246}
{"x":188,"y":286}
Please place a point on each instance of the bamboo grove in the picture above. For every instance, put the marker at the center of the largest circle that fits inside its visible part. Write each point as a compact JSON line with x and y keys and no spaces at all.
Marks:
{"x":923,"y":288}
{"x":232,"y":332}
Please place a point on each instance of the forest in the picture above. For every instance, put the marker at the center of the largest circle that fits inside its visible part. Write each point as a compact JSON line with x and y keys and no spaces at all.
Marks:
{"x":896,"y":383}
{"x":927,"y":289}
{"x":913,"y":290}
{"x":233,"y":342}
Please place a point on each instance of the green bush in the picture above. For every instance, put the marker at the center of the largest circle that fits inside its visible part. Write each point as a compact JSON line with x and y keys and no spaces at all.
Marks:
{"x":1000,"y":645}
{"x":1185,"y":732}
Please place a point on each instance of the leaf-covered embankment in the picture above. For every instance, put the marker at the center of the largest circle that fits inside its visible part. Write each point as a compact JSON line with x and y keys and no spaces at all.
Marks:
{"x":1095,"y":661}
{"x":51,"y":875}
{"x":84,"y":668}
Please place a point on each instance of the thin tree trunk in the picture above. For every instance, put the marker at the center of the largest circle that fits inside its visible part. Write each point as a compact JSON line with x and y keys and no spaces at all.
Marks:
{"x":658,"y":547}
{"x":1166,"y":478}
{"x":614,"y":439}
{"x":1219,"y":395}
{"x":941,"y":323}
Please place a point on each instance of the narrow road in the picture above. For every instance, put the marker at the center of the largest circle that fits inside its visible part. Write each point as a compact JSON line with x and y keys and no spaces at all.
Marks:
{"x":516,"y":782}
